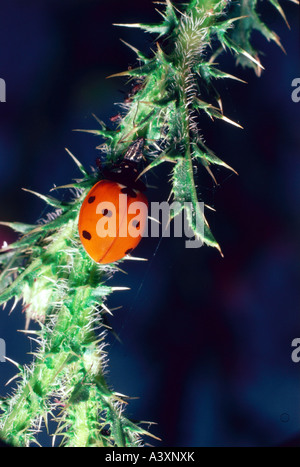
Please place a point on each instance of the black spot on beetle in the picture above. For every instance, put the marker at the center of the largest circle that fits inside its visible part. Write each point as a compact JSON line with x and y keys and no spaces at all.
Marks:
{"x":91,"y":199}
{"x":127,"y":252}
{"x":86,"y":235}
{"x":128,"y":191}
{"x":136,"y":224}
{"x":106,"y":213}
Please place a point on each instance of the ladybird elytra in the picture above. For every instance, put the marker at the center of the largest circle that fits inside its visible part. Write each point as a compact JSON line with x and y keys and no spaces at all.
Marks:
{"x":112,"y":221}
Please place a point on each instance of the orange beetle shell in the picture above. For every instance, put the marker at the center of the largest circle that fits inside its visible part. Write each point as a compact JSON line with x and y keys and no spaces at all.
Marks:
{"x":103,"y":208}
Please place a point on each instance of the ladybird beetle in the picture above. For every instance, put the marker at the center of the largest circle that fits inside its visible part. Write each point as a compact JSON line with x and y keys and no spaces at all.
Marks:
{"x":109,"y":226}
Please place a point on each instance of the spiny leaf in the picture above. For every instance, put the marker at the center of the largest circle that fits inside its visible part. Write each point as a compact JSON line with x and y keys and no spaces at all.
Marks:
{"x":213,"y":112}
{"x":48,"y":199}
{"x":18,"y":226}
{"x":139,"y":54}
{"x":170,"y":21}
{"x":208,"y":155}
{"x":16,"y":287}
{"x":160,"y":29}
{"x":185,"y":194}
{"x":276,"y":4}
{"x":143,"y":70}
{"x":79,"y":164}
{"x":164,"y":157}
{"x":208,"y":70}
{"x":240,"y":50}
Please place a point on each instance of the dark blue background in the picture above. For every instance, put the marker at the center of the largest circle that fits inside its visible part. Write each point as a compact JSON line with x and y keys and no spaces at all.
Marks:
{"x":206,"y":341}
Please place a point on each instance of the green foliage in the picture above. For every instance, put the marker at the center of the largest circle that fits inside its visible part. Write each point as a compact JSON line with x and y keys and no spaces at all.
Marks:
{"x":167,"y":108}
{"x":47,"y":268}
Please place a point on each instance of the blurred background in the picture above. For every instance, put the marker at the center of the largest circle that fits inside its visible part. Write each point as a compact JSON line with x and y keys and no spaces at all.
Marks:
{"x":205,"y":347}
